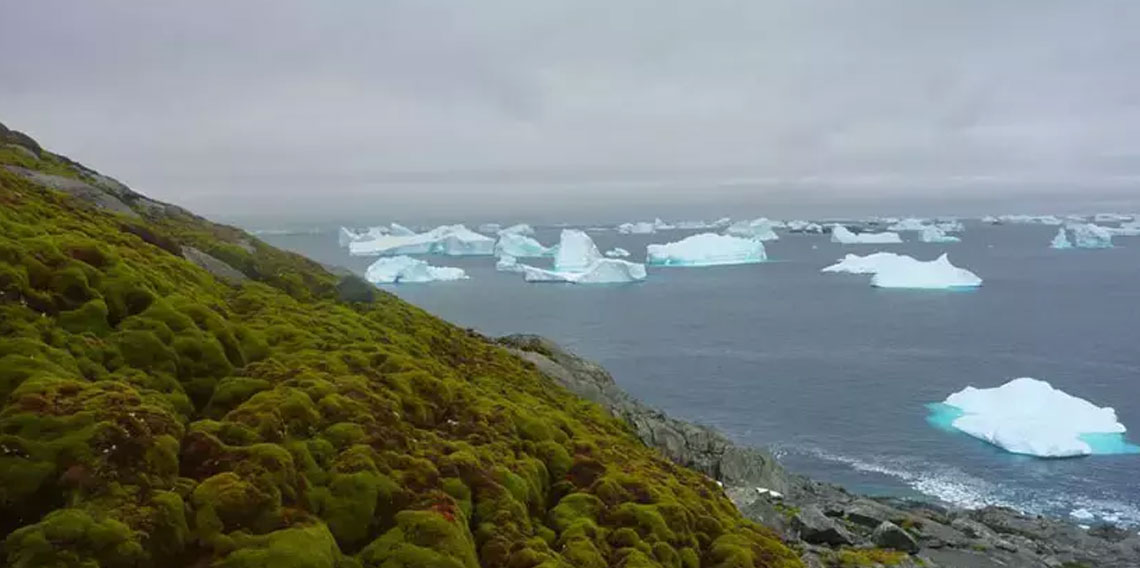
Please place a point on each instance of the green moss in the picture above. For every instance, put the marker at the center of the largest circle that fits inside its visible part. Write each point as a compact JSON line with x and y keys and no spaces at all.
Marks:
{"x":867,"y":557}
{"x":422,"y":539}
{"x":301,"y":547}
{"x":73,"y":537}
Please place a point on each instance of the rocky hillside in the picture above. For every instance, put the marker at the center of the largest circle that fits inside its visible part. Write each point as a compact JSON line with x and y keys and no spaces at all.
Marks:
{"x":177,"y":393}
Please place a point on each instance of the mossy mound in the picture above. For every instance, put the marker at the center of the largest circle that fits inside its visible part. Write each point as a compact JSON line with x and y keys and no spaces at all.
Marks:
{"x":154,"y":415}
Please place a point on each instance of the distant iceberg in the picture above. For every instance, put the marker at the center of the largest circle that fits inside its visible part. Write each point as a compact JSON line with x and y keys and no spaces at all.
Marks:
{"x":617,"y":252}
{"x":401,"y":269}
{"x":843,"y":235}
{"x":1129,"y":229}
{"x":934,"y":274}
{"x":452,"y":240}
{"x":759,"y":229}
{"x":798,"y":226}
{"x":520,"y":246}
{"x":700,"y":225}
{"x":519,"y":229}
{"x":1061,"y":240}
{"x":950,"y":226}
{"x":578,"y":261}
{"x":576,"y":252}
{"x":869,"y":264}
{"x":706,"y":249}
{"x":1112,"y":218}
{"x":490,"y":228}
{"x":1088,"y":235}
{"x":990,"y":219}
{"x":400,"y":230}
{"x":638,"y":228}
{"x":933,"y":234}
{"x":1028,"y":416}
{"x":910,"y":224}
{"x":346,"y":236}
{"x":508,"y":263}
{"x":1032,"y":219}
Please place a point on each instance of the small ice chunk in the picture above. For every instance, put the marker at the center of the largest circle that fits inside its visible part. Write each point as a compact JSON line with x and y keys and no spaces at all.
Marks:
{"x":933,"y":234}
{"x":909,"y":224}
{"x":1082,"y":514}
{"x":576,"y":252}
{"x":508,"y":263}
{"x":1028,"y":416}
{"x":401,"y":269}
{"x":520,"y":246}
{"x":798,"y":226}
{"x":1061,"y":240}
{"x":1088,"y":235}
{"x":519,"y":229}
{"x":617,"y":252}
{"x":603,"y":271}
{"x":843,"y":235}
{"x":758,"y":229}
{"x":706,"y":249}
{"x":935,"y":274}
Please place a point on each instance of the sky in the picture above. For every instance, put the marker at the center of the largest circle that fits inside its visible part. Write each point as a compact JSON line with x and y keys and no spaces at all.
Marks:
{"x":584,"y":108}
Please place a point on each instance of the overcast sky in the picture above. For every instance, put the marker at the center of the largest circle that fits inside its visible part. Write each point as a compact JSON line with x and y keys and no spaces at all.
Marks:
{"x":385,"y":108}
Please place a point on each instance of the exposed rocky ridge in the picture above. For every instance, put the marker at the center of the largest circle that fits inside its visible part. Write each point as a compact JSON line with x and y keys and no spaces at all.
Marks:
{"x":820,"y":518}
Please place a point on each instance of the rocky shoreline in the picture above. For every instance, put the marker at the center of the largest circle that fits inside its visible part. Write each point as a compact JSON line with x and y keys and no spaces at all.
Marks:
{"x":827,"y":524}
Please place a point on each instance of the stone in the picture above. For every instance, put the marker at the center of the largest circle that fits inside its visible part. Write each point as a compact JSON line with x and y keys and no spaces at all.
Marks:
{"x":218,"y":268}
{"x":890,"y":535}
{"x":816,"y":528}
{"x":353,"y":288}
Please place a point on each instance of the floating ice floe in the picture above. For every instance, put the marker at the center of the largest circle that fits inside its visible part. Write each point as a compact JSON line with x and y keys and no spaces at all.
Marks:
{"x":706,"y":249}
{"x":843,"y":235}
{"x":520,"y":246}
{"x":909,"y":224}
{"x":617,"y":252}
{"x":990,"y":219}
{"x":934,"y":234}
{"x":508,"y":263}
{"x":453,"y":240}
{"x":798,"y":226}
{"x":758,"y":229}
{"x":1088,"y":235}
{"x":1029,"y":416}
{"x":869,"y":264}
{"x":934,"y":274}
{"x":578,"y":261}
{"x":519,"y":229}
{"x":1061,"y":240}
{"x":402,"y":269}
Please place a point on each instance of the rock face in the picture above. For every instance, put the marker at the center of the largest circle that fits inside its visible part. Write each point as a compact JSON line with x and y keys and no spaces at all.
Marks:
{"x":80,"y":189}
{"x":890,"y":535}
{"x":816,"y":528}
{"x":690,"y":445}
{"x":219,"y":269}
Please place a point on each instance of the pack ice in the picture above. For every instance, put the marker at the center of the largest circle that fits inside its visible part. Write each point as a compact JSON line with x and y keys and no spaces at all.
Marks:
{"x":400,"y":269}
{"x":1029,"y":416}
{"x":843,"y":235}
{"x":706,"y":249}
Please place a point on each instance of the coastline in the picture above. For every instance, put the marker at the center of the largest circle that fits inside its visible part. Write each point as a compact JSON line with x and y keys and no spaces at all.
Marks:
{"x":815,"y":517}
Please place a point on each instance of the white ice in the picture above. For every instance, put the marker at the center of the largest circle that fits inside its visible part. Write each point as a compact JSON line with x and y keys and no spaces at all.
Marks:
{"x":798,"y":226}
{"x":519,"y":229}
{"x":452,"y":240}
{"x":841,"y":234}
{"x":576,"y":252}
{"x":706,"y":249}
{"x":869,"y":264}
{"x":401,"y":269}
{"x":400,"y":230}
{"x":1129,"y":229}
{"x":520,"y":246}
{"x":490,"y":228}
{"x":603,"y":271}
{"x":1112,"y":218}
{"x":758,"y":229}
{"x":698,"y":225}
{"x":934,"y":274}
{"x":508,"y":263}
{"x":1088,"y":235}
{"x":909,"y":224}
{"x":1037,"y":219}
{"x":1028,"y":416}
{"x":933,"y":234}
{"x":617,"y":252}
{"x":638,"y":228}
{"x":1061,"y":240}
{"x":950,"y":226}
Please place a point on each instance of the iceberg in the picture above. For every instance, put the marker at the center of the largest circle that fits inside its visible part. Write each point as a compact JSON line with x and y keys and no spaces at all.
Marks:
{"x":1088,"y":235}
{"x":662,"y":225}
{"x":1029,"y":416}
{"x":700,"y":225}
{"x":519,"y":229}
{"x":910,"y":224}
{"x":1032,"y":219}
{"x":490,"y":228}
{"x":452,"y":240}
{"x":1129,"y":229}
{"x":576,"y":252}
{"x":933,"y":234}
{"x":990,"y":219}
{"x":758,"y":229}
{"x":400,"y":230}
{"x":950,"y":226}
{"x":869,"y":264}
{"x":638,"y":228}
{"x":1061,"y":240}
{"x":1111,"y":218}
{"x":843,"y":235}
{"x":603,"y":271}
{"x":706,"y":249}
{"x":804,"y":227}
{"x":401,"y":269}
{"x":935,"y":274}
{"x":520,"y":246}
{"x":345,"y":236}
{"x":508,"y":263}
{"x":617,"y":252}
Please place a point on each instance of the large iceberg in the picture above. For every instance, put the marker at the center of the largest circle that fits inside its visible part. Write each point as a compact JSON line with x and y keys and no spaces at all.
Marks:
{"x":1028,"y":416}
{"x":758,"y":229}
{"x":1061,"y":240}
{"x":576,"y":251}
{"x":490,"y":228}
{"x":843,"y":235}
{"x":400,"y":269}
{"x":346,"y":236}
{"x":950,"y":225}
{"x":934,"y":234}
{"x":706,"y":249}
{"x":453,"y":240}
{"x":617,"y":252}
{"x":934,"y":274}
{"x":1088,"y":235}
{"x":603,"y":271}
{"x":869,"y":264}
{"x":520,"y":246}
{"x":400,"y":230}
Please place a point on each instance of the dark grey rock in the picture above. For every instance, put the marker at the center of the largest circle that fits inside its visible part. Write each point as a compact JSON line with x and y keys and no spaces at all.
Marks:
{"x":816,"y":528}
{"x":77,"y":188}
{"x":218,"y":268}
{"x":353,"y":288}
{"x":890,"y":535}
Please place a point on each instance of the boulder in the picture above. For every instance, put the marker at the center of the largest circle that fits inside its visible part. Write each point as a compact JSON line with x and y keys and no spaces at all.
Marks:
{"x":816,"y":528}
{"x":218,"y":268}
{"x":890,"y":535}
{"x":353,"y":288}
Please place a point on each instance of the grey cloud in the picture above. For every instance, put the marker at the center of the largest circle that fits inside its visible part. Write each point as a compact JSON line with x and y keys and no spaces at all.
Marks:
{"x":467,"y":106}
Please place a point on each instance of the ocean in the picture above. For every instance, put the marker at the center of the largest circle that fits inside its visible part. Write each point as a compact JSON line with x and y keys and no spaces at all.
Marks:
{"x":833,"y":375}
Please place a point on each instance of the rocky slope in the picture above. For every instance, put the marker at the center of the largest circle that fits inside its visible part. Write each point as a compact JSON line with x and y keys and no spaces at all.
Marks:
{"x":828,"y":525}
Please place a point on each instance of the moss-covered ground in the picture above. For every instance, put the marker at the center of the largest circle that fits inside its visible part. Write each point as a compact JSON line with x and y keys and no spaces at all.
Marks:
{"x":155,"y":416}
